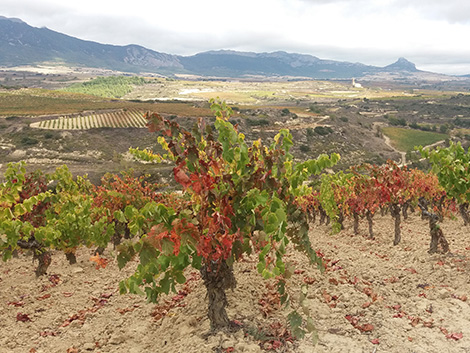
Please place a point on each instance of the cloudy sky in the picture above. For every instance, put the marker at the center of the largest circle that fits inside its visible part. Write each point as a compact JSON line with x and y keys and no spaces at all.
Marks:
{"x":434,"y":34}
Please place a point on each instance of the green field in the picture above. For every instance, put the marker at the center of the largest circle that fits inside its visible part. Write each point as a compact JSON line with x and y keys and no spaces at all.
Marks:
{"x":406,"y":139}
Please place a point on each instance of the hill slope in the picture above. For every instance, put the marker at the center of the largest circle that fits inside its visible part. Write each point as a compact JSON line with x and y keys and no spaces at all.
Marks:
{"x":22,"y":44}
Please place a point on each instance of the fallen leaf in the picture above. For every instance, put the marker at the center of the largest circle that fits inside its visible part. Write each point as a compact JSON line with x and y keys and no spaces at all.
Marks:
{"x":23,"y":317}
{"x":67,"y":294}
{"x":375,"y":341}
{"x":309,"y":280}
{"x":429,"y":324}
{"x":72,"y":350}
{"x":45,"y":296}
{"x":415,"y":321}
{"x":410,"y":269}
{"x":54,"y":279}
{"x":16,"y":304}
{"x":100,"y":261}
{"x":410,"y":339}
{"x":455,"y":336}
{"x":444,"y":330}
{"x":333,"y":281}
{"x":366,"y":328}
{"x":366,"y":305}
{"x":47,"y":333}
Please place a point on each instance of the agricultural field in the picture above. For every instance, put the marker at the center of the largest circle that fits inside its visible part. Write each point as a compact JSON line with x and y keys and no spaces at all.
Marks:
{"x":114,"y":119}
{"x":406,"y":139}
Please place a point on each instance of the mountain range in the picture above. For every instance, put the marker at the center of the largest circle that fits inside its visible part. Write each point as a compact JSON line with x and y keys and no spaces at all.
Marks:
{"x":22,"y":44}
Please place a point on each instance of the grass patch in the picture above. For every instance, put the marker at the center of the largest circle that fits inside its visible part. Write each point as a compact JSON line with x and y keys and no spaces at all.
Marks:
{"x":406,"y":139}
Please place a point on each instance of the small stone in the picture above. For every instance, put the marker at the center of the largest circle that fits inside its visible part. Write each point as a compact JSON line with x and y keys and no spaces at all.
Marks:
{"x":89,"y":346}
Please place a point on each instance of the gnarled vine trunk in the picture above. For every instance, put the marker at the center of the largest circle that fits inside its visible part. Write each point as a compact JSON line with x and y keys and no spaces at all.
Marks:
{"x":40,"y":254}
{"x":356,"y":223}
{"x":395,"y":212}
{"x":341,"y":219}
{"x":463,"y":208}
{"x":369,"y":216}
{"x":437,"y":236}
{"x":44,"y":260}
{"x":218,"y":277}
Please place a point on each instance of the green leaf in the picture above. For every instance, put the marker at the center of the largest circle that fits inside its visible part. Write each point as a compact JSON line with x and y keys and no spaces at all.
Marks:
{"x":180,"y":278}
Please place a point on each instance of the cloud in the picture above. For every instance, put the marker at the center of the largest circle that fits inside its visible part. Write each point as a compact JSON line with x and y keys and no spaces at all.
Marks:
{"x":452,"y":11}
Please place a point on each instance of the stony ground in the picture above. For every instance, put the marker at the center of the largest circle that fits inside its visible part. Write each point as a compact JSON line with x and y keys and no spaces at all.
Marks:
{"x":374,"y":297}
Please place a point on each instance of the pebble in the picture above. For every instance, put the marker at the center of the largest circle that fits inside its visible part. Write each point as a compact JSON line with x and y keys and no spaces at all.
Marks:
{"x":89,"y":346}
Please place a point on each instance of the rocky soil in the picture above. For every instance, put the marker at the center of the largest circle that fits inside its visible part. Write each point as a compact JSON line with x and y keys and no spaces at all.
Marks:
{"x":373,"y":297}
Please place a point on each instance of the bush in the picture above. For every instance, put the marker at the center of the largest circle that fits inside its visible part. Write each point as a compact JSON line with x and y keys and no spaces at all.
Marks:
{"x":285,"y":112}
{"x":323,"y":130}
{"x":257,"y":122}
{"x":310,"y":132}
{"x":29,"y":141}
{"x":344,"y":119}
{"x":304,"y":148}
{"x":314,"y":108}
{"x":396,"y":121}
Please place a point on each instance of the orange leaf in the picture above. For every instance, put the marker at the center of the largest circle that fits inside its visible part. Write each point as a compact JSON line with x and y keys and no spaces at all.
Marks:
{"x":366,"y":328}
{"x":100,"y":261}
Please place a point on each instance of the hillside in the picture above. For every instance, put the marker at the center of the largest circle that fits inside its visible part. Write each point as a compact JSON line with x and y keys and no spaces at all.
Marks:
{"x":21,"y":44}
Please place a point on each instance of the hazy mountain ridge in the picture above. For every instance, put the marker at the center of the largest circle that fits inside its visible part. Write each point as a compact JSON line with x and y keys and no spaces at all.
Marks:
{"x":21,"y":44}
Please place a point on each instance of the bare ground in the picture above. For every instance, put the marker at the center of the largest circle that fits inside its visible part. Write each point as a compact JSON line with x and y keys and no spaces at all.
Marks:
{"x":374,"y":297}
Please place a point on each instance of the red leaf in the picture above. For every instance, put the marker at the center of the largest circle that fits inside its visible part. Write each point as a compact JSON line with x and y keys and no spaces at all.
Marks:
{"x":309,"y":280}
{"x":366,"y":328}
{"x":333,"y":281}
{"x":54,"y":279}
{"x":47,"y":333}
{"x":181,"y":177}
{"x":45,"y":296}
{"x":22,"y":317}
{"x":16,"y":304}
{"x":455,"y":336}
{"x":412,"y":270}
{"x":375,"y":341}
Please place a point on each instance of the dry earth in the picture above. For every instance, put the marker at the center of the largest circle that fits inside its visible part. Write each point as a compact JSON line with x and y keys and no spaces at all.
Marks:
{"x":374,"y":297}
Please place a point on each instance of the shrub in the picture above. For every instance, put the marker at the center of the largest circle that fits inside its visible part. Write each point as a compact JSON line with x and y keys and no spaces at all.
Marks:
{"x":285,"y":112}
{"x":304,"y":148}
{"x":323,"y":130}
{"x":29,"y":141}
{"x":257,"y":122}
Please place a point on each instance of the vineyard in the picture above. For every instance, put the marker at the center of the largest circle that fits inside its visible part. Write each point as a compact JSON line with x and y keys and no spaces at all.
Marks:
{"x":115,"y":119}
{"x":243,"y":210}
